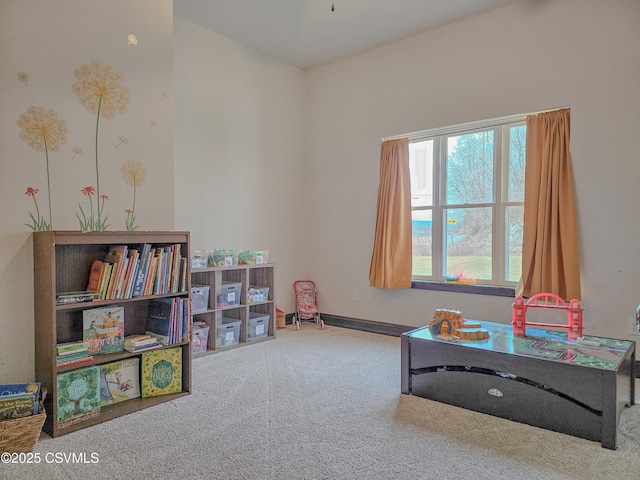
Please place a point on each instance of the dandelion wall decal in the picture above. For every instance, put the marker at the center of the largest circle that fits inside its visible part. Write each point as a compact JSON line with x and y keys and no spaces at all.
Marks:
{"x":43,"y":131}
{"x":122,"y":139}
{"x":131,"y":39}
{"x":23,"y":77}
{"x":133,"y":174}
{"x":100,"y":90}
{"x":76,"y":151}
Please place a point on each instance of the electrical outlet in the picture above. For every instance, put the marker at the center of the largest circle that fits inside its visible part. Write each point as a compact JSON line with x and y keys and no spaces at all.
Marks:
{"x":356,"y":297}
{"x":634,"y":327}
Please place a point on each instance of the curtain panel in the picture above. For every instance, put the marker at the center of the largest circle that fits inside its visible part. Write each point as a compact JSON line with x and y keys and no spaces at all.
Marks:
{"x":391,"y":259}
{"x":550,"y":256}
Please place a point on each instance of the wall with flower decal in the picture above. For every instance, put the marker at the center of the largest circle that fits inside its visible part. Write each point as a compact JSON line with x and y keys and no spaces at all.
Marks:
{"x":86,"y":135}
{"x":87,"y":116}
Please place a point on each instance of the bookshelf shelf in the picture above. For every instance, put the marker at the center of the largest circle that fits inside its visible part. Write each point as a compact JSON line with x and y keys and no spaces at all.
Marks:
{"x":62,"y":263}
{"x":261,"y":275}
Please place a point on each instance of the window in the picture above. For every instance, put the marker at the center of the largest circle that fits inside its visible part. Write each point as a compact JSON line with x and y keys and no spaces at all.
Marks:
{"x":467,"y":193}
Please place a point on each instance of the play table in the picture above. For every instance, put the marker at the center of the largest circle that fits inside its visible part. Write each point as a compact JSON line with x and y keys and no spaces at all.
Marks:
{"x":578,"y":387}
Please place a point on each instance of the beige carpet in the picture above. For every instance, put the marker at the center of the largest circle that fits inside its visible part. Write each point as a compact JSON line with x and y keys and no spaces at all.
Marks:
{"x":323,"y":404}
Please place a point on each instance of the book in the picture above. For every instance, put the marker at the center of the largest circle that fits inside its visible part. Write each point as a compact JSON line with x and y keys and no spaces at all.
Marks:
{"x":17,"y":405}
{"x":68,"y":356}
{"x":159,"y":318}
{"x":65,"y":363}
{"x":116,"y":255}
{"x":151,"y":276}
{"x":142,"y":348}
{"x":78,"y":396}
{"x":132,"y":339}
{"x":139,"y":282}
{"x":71,"y":347}
{"x":119,"y":381}
{"x":137,"y":343}
{"x":76,"y":297}
{"x":122,"y":274}
{"x":140,"y":343}
{"x":95,"y":273}
{"x":134,"y":263}
{"x":104,"y":281}
{"x":161,"y":372}
{"x":103,"y":328}
{"x":32,"y":388}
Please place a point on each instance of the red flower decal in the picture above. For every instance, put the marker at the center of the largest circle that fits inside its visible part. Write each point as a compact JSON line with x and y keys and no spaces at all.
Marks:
{"x":31,"y":191}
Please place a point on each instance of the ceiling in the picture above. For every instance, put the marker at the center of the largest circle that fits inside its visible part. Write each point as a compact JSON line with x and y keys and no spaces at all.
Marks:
{"x":307,"y":34}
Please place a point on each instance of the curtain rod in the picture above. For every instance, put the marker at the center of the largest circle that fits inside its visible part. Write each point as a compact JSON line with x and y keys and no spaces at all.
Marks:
{"x":464,"y":127}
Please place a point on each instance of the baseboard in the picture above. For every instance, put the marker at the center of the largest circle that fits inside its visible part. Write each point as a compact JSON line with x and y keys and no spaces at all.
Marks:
{"x":382,"y":328}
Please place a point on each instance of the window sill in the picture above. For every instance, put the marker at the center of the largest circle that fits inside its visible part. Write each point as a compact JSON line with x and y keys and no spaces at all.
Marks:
{"x":468,"y":289}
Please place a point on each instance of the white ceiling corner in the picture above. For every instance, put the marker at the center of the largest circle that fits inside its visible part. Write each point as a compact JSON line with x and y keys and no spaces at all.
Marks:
{"x":307,"y":34}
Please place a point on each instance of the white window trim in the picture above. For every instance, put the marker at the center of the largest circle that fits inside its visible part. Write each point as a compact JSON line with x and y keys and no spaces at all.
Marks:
{"x":439,"y":136}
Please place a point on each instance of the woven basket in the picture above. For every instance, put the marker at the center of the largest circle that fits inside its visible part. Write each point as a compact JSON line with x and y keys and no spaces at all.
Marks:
{"x":20,"y":435}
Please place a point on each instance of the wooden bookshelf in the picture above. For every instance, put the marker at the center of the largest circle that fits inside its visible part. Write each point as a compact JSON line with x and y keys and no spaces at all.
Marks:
{"x":261,"y":275}
{"x":62,"y":261}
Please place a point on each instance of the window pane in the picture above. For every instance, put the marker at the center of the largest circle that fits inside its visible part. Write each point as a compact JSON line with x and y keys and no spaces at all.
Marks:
{"x":517,"y":155}
{"x":421,"y":171}
{"x":514,"y":243}
{"x":470,"y":168}
{"x":468,"y":242}
{"x":421,"y":242}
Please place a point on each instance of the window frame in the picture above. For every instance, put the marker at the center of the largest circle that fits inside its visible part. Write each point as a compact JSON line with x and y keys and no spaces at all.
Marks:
{"x":499,"y":206}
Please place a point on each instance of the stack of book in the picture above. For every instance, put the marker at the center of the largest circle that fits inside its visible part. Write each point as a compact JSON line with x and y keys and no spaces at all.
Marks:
{"x":139,"y":343}
{"x":72,"y":353}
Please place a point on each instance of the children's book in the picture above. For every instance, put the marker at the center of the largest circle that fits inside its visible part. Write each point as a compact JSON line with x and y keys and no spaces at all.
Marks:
{"x":94,"y":276}
{"x":32,"y":388}
{"x":161,"y":372}
{"x":103,"y":328}
{"x":159,"y":318}
{"x":17,"y":405}
{"x":78,"y":396}
{"x":119,"y":381}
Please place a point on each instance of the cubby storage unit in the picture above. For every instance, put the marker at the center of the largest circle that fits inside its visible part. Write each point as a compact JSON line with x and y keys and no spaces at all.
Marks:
{"x":62,"y":261}
{"x":231,"y":319}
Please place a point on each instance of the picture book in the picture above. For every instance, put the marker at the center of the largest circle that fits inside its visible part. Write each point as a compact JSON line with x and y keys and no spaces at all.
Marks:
{"x":161,"y":372}
{"x":32,"y":388}
{"x":119,"y":381}
{"x":17,"y":405}
{"x":103,"y":328}
{"x":78,"y":396}
{"x":159,"y":318}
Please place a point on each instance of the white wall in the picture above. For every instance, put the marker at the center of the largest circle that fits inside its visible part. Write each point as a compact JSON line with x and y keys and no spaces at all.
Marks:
{"x":240,"y":178}
{"x":48,"y":40}
{"x":523,"y":58}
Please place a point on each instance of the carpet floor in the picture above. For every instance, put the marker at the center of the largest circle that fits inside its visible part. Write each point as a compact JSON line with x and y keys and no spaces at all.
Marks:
{"x":322,"y":404}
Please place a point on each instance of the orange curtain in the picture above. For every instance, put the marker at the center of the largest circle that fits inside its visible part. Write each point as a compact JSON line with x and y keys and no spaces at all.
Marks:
{"x":550,"y":259}
{"x":391,"y":259}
